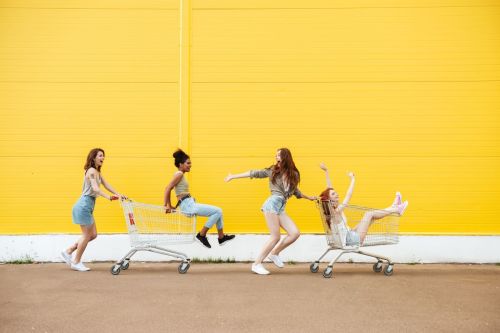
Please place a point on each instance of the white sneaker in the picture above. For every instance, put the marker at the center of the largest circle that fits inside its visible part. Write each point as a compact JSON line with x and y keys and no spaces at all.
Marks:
{"x":402,"y":207}
{"x":259,"y":269}
{"x":397,"y":200}
{"x":276,"y":260}
{"x":79,"y":267}
{"x":66,"y":257}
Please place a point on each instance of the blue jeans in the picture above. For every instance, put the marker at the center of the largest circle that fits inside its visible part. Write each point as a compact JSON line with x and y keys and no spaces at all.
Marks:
{"x":214,"y":214}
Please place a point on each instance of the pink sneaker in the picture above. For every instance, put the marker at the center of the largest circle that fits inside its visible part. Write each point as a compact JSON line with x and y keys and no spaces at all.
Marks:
{"x":397,"y":200}
{"x":402,"y":207}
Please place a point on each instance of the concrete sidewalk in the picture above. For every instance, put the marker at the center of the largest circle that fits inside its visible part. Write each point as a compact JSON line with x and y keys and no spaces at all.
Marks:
{"x":153,"y":297}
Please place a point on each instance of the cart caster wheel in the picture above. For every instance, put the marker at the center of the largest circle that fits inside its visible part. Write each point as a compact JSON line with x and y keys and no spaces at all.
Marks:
{"x":389,"y":269}
{"x":124,"y":265}
{"x":115,"y":270}
{"x":183,"y":267}
{"x":328,"y":272}
{"x":314,"y":267}
{"x":377,"y":267}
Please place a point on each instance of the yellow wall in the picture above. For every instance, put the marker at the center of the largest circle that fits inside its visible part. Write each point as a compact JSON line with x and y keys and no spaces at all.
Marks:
{"x":404,"y":93}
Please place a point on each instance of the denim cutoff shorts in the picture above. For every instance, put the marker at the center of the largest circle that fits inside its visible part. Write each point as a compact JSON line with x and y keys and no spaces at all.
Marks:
{"x":83,"y":209}
{"x":274,"y":204}
{"x":352,"y":238}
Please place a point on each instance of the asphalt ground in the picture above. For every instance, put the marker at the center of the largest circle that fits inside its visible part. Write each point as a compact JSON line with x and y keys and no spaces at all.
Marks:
{"x":154,"y":297}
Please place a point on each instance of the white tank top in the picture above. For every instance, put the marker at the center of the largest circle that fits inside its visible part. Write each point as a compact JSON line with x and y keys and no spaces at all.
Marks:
{"x":87,"y":186}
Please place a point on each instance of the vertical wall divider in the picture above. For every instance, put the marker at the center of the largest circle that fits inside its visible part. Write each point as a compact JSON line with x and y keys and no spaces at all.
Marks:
{"x":185,"y":74}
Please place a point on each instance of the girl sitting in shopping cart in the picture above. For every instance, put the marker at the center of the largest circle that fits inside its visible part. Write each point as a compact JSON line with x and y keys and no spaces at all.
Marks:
{"x":188,"y":205}
{"x":355,"y":236}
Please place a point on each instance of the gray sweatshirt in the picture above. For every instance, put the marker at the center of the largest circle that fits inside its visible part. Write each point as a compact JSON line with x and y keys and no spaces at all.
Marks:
{"x":279,"y":188}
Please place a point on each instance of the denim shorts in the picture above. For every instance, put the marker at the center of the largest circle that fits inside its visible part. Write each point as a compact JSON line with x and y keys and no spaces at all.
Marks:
{"x":274,"y":204}
{"x":83,"y":209}
{"x":352,"y":238}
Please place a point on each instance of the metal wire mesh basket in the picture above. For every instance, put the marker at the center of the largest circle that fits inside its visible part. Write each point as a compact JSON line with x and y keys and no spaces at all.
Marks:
{"x":381,"y":232}
{"x":149,"y":225}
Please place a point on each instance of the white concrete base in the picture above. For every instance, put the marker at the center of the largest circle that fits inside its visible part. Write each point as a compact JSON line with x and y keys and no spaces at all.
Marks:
{"x":411,"y":249}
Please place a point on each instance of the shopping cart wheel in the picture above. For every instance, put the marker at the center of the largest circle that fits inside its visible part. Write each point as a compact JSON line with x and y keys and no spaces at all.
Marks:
{"x":125,"y":265}
{"x":183,"y":267}
{"x":314,"y":267}
{"x":377,"y":267}
{"x":328,"y":272}
{"x":388,"y":270}
{"x":115,"y":270}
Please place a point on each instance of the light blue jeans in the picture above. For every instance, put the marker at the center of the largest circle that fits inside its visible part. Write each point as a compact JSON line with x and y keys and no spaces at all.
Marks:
{"x":214,"y":214}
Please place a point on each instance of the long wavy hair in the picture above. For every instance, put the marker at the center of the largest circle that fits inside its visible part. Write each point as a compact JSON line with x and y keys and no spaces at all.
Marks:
{"x":91,"y":159}
{"x":287,"y":169}
{"x":325,"y":202}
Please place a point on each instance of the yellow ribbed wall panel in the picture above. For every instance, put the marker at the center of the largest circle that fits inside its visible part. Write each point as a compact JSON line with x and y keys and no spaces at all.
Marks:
{"x":338,"y":4}
{"x":404,"y":93}
{"x":57,"y":119}
{"x":88,"y":45}
{"x":93,"y":4}
{"x":77,"y":75}
{"x":353,"y":44}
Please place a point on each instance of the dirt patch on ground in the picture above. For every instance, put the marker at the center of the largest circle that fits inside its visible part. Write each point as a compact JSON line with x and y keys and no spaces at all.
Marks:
{"x":153,"y":297}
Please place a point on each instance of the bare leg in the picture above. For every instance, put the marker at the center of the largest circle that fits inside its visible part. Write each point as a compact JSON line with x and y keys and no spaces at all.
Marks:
{"x":292,"y":234}
{"x":369,"y":217}
{"x":73,"y":247}
{"x":89,"y":233}
{"x":273,"y":223}
{"x":203,"y":231}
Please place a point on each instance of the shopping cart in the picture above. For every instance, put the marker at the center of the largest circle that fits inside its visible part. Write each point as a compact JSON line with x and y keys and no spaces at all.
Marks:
{"x":381,"y":232}
{"x":149,"y":228}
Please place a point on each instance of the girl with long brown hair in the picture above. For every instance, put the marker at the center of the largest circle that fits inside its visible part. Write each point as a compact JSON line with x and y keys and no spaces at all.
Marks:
{"x":84,"y":208}
{"x":284,"y":179}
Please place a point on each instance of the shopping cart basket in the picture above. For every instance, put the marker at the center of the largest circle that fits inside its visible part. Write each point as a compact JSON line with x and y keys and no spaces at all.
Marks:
{"x":381,"y":232}
{"x":149,"y":227}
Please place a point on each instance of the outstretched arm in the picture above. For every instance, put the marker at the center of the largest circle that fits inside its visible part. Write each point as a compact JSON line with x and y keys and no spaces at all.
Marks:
{"x":348,"y":195}
{"x":111,"y":189}
{"x":325,"y":169}
{"x":92,"y":175}
{"x":298,"y":194}
{"x":239,"y":175}
{"x":264,"y":173}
